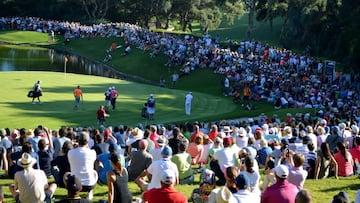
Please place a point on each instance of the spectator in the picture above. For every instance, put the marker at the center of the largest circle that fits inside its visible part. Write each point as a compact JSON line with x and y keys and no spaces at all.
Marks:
{"x":117,"y":180}
{"x":156,"y":153}
{"x":155,"y":170}
{"x":196,"y":149}
{"x":166,"y":193}
{"x":344,"y":160}
{"x":82,"y":161}
{"x":103,"y":165}
{"x":183,"y":162}
{"x":226,"y":193}
{"x":323,"y":162}
{"x":334,"y":138}
{"x":139,"y":160}
{"x":297,"y":175}
{"x":175,"y":138}
{"x":263,"y":152}
{"x":100,"y":146}
{"x":58,"y":142}
{"x":303,"y":196}
{"x":45,"y":154}
{"x":282,"y":191}
{"x":60,"y":165}
{"x":253,"y":175}
{"x":73,"y":187}
{"x":224,"y":158}
{"x":31,"y":184}
{"x":243,"y":194}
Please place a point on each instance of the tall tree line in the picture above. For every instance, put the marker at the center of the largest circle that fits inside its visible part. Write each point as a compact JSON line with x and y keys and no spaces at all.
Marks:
{"x":330,"y":27}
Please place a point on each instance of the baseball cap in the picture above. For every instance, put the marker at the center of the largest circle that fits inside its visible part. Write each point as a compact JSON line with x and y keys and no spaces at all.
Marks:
{"x":114,"y":157}
{"x":281,"y":171}
{"x":227,"y":141}
{"x":242,"y":181}
{"x":72,"y":183}
{"x":166,"y":151}
{"x":218,"y":140}
{"x":168,"y":177}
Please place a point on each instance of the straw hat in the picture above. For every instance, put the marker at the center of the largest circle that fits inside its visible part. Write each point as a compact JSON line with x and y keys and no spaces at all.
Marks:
{"x":26,"y":161}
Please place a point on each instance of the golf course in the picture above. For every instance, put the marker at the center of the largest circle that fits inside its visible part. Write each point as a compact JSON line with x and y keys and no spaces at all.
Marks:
{"x":57,"y":103}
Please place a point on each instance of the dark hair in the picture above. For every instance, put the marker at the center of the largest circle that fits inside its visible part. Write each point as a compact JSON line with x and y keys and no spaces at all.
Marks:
{"x":249,"y":163}
{"x":342,"y":149}
{"x":324,"y":148}
{"x":67,"y":146}
{"x":27,"y":147}
{"x":42,"y":144}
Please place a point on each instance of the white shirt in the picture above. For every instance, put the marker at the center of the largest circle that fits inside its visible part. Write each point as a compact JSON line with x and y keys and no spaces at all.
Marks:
{"x":188,"y":98}
{"x":82,"y":161}
{"x":156,"y":168}
{"x":245,"y":196}
{"x":225,"y":157}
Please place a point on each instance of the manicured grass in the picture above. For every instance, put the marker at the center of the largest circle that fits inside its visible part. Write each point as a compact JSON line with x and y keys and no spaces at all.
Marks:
{"x":57,"y":109}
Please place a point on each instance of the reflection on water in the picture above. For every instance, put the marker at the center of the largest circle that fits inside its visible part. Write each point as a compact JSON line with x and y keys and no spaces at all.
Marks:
{"x":21,"y":58}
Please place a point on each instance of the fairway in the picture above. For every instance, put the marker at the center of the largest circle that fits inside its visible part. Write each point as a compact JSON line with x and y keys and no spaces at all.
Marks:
{"x":57,"y":108}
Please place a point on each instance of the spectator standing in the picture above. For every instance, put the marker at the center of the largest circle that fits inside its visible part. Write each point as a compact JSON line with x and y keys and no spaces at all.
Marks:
{"x":82,"y":161}
{"x":30,"y":185}
{"x":174,"y":78}
{"x":166,"y":193}
{"x":151,"y":104}
{"x":282,"y":191}
{"x":188,"y":99}
{"x":78,"y":94}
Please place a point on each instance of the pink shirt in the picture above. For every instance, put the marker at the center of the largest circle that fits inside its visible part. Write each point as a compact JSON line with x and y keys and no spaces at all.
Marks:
{"x":345,"y":168}
{"x":195,"y":152}
{"x":297,"y":176}
{"x":355,"y":153}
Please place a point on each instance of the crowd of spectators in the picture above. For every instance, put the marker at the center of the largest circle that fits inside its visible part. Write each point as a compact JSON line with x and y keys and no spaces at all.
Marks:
{"x":289,"y":151}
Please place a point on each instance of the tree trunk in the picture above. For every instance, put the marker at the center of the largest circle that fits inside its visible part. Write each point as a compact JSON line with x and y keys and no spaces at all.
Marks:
{"x":251,"y":17}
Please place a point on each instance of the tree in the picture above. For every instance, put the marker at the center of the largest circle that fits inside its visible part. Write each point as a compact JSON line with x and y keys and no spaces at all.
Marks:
{"x":95,"y":9}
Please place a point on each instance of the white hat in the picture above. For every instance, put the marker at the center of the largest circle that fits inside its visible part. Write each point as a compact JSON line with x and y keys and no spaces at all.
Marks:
{"x":168,"y":177}
{"x":26,"y":160}
{"x":224,"y":195}
{"x":281,"y":171}
{"x":151,"y":95}
{"x":241,"y":132}
{"x":227,"y":129}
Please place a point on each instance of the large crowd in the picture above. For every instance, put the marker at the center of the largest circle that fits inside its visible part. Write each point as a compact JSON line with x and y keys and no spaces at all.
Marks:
{"x":227,"y":154}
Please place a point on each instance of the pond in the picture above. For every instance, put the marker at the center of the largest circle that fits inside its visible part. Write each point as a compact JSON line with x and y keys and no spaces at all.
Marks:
{"x":30,"y":58}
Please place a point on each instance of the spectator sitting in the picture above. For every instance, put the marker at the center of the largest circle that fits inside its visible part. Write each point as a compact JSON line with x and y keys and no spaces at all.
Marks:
{"x":73,"y":187}
{"x":243,"y":194}
{"x":60,"y":165}
{"x":297,"y":175}
{"x":139,"y":160}
{"x":166,"y":193}
{"x":323,"y":162}
{"x":45,"y":154}
{"x":183,"y":162}
{"x":303,"y":196}
{"x":31,"y":185}
{"x":344,"y":160}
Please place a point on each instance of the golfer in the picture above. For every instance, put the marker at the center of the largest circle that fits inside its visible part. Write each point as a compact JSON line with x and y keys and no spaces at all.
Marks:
{"x":188,"y":99}
{"x":78,"y":94}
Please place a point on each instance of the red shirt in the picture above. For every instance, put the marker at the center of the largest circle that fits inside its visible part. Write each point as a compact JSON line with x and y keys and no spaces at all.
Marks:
{"x":164,"y":194}
{"x":100,"y":114}
{"x":154,"y":137}
{"x":345,"y":168}
{"x":192,"y":137}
